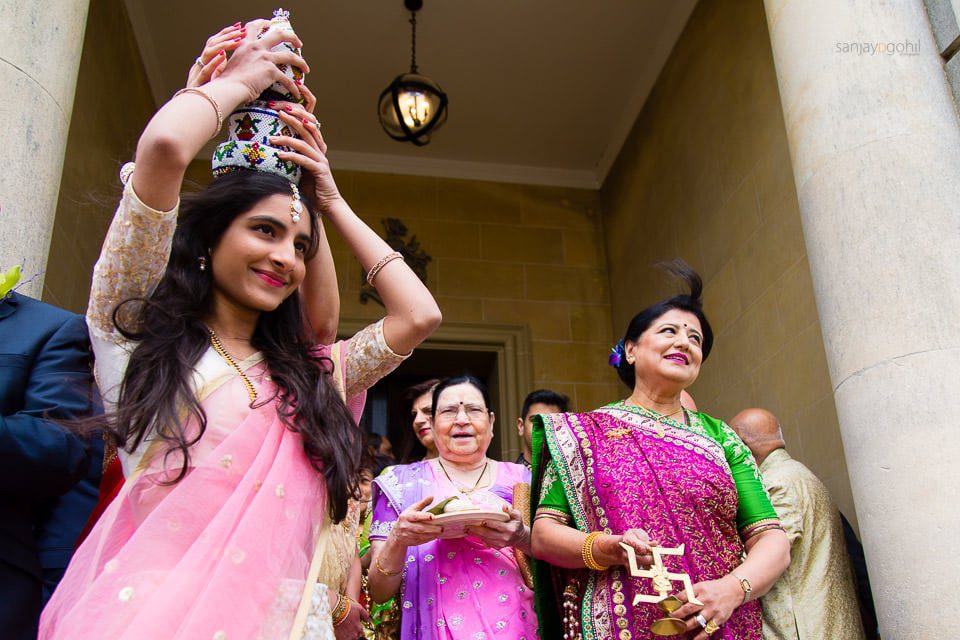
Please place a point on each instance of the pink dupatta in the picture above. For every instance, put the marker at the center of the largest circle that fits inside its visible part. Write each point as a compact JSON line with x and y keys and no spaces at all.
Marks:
{"x":224,"y":554}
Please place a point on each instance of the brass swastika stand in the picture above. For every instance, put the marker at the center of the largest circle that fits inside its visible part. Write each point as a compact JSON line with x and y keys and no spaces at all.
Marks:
{"x":662,"y":584}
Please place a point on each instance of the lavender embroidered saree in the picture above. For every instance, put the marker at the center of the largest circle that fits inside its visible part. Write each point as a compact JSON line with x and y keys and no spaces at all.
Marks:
{"x":455,"y":588}
{"x":619,"y":468}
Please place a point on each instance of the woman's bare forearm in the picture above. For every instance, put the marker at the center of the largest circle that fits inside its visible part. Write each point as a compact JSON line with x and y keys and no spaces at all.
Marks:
{"x":321,"y":297}
{"x":557,"y":543}
{"x":174,"y":136}
{"x":388,"y":555}
{"x":412,"y":313}
{"x":354,"y":582}
{"x":768,"y":556}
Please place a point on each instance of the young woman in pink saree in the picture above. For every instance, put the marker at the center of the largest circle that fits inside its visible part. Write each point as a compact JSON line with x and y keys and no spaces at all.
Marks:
{"x":240,"y":448}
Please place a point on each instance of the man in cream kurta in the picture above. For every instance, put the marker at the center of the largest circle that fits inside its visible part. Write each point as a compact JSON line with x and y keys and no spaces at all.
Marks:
{"x":815,"y":597}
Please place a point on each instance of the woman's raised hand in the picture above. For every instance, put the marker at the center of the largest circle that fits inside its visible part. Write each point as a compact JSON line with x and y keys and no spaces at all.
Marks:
{"x":254,"y":65}
{"x":412,"y":313}
{"x":415,"y":526}
{"x":309,"y":151}
{"x":212,"y":60}
{"x":607,"y":550}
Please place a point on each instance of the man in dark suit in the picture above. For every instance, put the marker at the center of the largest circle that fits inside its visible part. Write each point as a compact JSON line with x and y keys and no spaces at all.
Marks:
{"x":45,"y":376}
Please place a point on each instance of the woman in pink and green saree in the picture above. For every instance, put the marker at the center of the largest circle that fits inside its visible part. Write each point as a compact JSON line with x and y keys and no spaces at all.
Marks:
{"x":646,"y":472}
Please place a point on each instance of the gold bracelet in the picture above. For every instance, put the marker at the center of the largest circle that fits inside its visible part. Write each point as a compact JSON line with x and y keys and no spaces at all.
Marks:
{"x":586,"y":552}
{"x":213,"y":103}
{"x":552,"y":516}
{"x":341,"y":611}
{"x":384,"y":261}
{"x":384,"y":572}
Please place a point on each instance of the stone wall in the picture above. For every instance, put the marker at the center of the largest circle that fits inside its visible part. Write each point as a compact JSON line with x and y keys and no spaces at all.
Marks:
{"x":706,"y":175}
{"x":502,"y":253}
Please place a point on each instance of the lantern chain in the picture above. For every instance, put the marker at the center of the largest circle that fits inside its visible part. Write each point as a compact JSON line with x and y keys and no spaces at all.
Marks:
{"x":413,"y":42}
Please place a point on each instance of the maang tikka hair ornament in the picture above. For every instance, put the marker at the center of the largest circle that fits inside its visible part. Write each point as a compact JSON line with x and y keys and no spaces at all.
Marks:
{"x":296,"y":204}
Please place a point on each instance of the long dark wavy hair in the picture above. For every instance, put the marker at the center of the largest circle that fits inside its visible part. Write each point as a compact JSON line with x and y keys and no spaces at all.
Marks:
{"x":168,"y":327}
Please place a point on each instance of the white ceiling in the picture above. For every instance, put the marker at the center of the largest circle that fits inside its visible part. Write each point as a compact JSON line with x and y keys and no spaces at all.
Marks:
{"x":541,"y":91}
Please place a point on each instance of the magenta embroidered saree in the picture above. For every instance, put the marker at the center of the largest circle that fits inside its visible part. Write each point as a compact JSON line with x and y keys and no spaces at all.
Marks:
{"x":614,"y":469}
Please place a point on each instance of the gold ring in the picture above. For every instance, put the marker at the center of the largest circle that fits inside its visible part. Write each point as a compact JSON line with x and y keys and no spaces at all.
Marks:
{"x":711,"y":627}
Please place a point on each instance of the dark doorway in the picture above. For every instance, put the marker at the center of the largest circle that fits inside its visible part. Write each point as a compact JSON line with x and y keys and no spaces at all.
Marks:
{"x":386,"y":414}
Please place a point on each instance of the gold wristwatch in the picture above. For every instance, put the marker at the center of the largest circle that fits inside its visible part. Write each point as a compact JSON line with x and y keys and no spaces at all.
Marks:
{"x":744,"y":584}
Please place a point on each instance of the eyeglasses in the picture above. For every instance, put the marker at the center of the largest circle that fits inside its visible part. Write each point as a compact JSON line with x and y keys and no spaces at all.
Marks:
{"x":450,"y":412}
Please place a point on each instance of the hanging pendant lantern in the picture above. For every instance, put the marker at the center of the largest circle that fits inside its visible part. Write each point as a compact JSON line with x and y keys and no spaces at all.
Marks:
{"x":413,"y":106}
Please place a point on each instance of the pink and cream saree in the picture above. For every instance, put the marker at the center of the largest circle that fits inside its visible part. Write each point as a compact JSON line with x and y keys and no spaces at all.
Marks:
{"x":233,"y":550}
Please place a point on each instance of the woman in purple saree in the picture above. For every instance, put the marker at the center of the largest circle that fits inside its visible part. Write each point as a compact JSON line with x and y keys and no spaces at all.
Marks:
{"x":453,"y":585}
{"x":647,"y":472}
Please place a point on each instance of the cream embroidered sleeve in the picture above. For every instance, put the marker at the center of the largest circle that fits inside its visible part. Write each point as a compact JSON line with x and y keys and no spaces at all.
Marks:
{"x":132,"y":260}
{"x":368,"y":358}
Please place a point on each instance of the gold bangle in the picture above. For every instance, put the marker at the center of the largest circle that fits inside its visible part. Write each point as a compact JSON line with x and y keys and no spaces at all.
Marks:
{"x":586,"y":552}
{"x":341,"y":611}
{"x":375,"y":269}
{"x":213,"y":103}
{"x":552,"y":516}
{"x":384,"y":572}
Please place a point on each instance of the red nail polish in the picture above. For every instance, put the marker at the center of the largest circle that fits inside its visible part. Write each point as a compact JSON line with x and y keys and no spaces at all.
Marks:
{"x":288,"y":108}
{"x":305,"y":121}
{"x":238,"y":39}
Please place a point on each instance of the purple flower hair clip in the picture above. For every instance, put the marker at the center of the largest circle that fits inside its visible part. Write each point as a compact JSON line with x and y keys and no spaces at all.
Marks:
{"x":616,"y":354}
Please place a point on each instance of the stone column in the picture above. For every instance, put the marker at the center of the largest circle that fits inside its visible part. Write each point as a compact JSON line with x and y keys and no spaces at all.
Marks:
{"x":40,"y":46}
{"x":875,"y":146}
